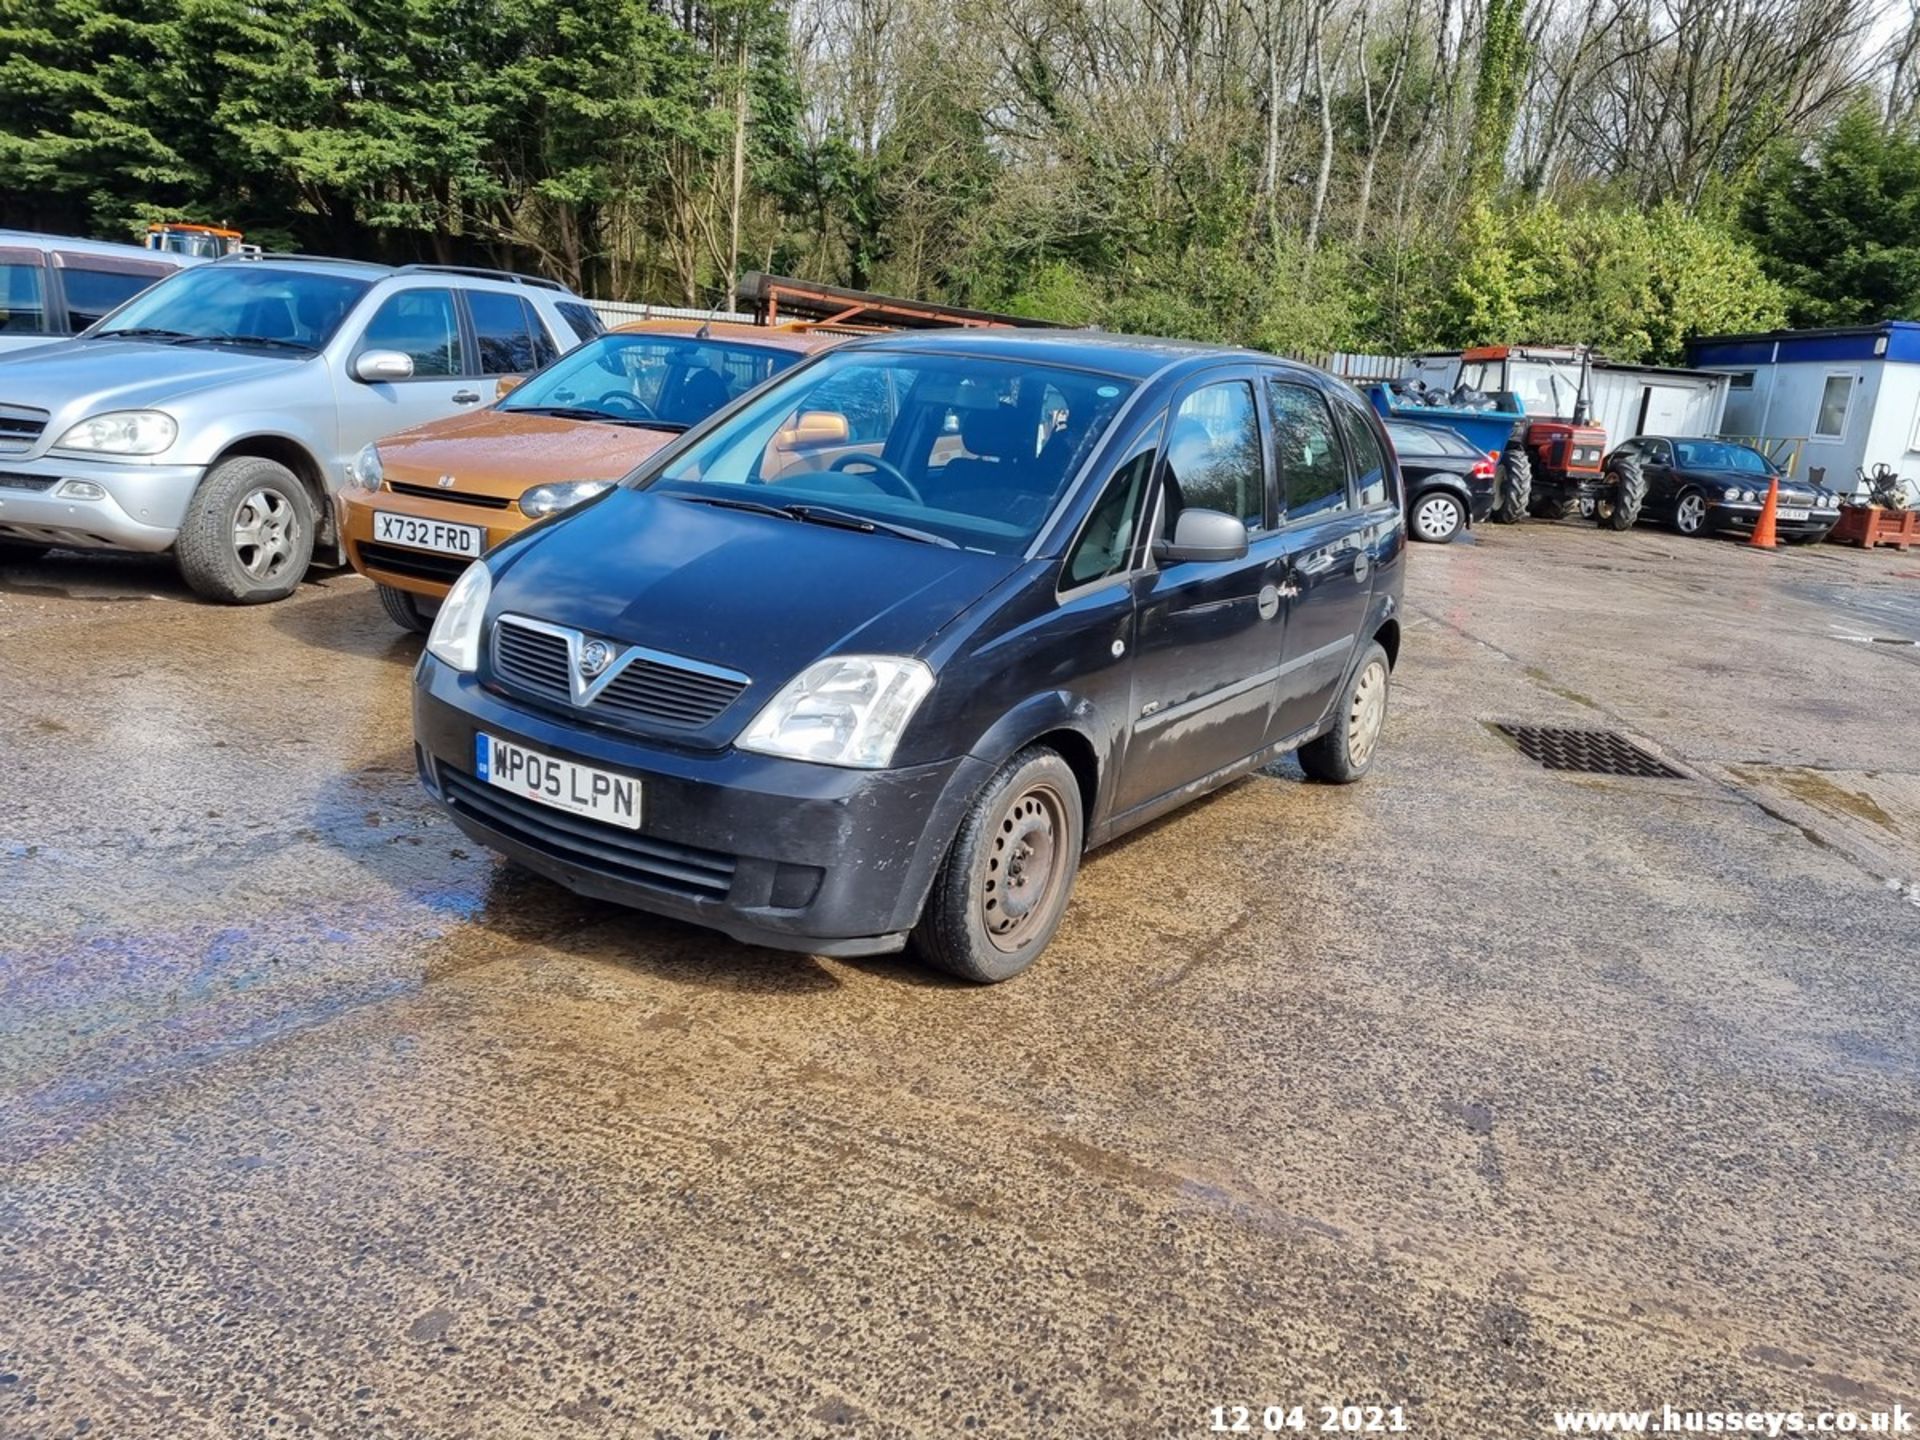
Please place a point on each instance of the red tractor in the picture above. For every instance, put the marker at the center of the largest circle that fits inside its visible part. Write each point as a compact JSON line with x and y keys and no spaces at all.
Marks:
{"x":1530,"y":403}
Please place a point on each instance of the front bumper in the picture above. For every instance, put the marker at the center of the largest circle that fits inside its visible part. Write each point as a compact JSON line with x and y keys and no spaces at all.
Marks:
{"x":422,"y":572}
{"x":1738,"y":517}
{"x":142,"y":506}
{"x":772,"y":852}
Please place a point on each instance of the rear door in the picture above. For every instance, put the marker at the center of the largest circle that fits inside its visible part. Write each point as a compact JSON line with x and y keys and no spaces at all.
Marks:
{"x":92,"y":286}
{"x":24,"y":311}
{"x":1331,"y":510}
{"x":1207,"y":643}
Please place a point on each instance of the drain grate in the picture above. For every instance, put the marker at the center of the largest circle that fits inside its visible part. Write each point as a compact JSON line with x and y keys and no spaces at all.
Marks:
{"x":1595,"y":752}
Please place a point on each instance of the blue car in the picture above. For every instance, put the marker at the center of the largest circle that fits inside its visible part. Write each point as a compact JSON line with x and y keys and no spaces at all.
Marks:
{"x":872,"y":656}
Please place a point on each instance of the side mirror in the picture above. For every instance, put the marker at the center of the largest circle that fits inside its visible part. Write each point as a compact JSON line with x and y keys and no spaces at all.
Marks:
{"x":505,"y":385}
{"x":1203,"y":535}
{"x":812,"y":429}
{"x":373,"y":366}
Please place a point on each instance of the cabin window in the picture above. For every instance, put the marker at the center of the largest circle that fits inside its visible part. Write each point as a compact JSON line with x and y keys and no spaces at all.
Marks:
{"x":1836,"y":397}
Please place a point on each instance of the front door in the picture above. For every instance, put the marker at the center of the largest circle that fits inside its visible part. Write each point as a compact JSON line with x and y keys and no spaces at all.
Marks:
{"x":424,"y":325}
{"x":1329,"y":513}
{"x":1207,"y":643}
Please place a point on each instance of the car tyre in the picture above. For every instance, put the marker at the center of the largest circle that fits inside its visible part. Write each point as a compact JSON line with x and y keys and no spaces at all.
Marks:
{"x":1345,"y":753}
{"x":1005,"y":883}
{"x":1437,"y":516}
{"x":1516,"y":485}
{"x":1619,"y":507}
{"x":1690,"y":513}
{"x":404,"y":609}
{"x":248,"y":535}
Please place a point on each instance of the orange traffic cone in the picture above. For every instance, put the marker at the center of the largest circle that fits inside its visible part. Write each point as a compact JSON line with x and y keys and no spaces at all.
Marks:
{"x":1763,"y":527}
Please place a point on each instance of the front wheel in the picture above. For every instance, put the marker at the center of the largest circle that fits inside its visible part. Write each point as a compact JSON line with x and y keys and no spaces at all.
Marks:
{"x":248,"y":535}
{"x":1004,"y":886}
{"x":1437,"y":517}
{"x":1345,"y":753}
{"x":1690,"y":513}
{"x":1516,"y":485}
{"x":1619,"y":506}
{"x":405,"y":609}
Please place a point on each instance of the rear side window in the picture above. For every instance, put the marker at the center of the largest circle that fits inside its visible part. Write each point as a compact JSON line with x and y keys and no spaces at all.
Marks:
{"x":420,"y":324}
{"x":584,"y":319}
{"x":1106,"y":542}
{"x":545,"y":352}
{"x":1369,"y":464}
{"x":23,"y":302}
{"x":1213,"y":454}
{"x":92,"y":294}
{"x":509,"y":335}
{"x":1313,"y":472}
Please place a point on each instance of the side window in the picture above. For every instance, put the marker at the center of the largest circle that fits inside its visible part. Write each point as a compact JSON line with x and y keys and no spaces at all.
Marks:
{"x":1369,"y":465}
{"x":23,"y":307}
{"x":500,"y":325}
{"x":1313,"y":475}
{"x":420,"y":324}
{"x":1106,"y":542}
{"x":94,"y":293}
{"x":545,"y":352}
{"x":1213,"y":455}
{"x":584,"y":319}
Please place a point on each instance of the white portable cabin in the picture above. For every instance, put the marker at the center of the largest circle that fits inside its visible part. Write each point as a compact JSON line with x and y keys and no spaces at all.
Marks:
{"x":1625,"y":400}
{"x":1850,"y":396}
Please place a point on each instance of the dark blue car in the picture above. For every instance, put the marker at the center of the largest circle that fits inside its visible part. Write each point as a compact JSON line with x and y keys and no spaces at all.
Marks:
{"x":875,"y":654}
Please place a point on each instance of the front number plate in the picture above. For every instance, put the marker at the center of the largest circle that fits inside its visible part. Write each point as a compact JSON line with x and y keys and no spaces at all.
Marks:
{"x":577,"y":789}
{"x":438,"y":535}
{"x":1788,"y":513}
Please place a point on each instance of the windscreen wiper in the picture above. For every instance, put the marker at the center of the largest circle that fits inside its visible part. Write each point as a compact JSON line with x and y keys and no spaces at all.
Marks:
{"x":143,"y":333}
{"x":271,"y":341}
{"x":581,"y":412}
{"x":752,"y":507}
{"x":847,"y":520}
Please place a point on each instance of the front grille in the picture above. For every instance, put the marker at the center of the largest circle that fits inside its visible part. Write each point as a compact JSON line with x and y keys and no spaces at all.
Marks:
{"x":1593,"y":752}
{"x":20,"y":427}
{"x":604,"y":849}
{"x":652,"y":691}
{"x":458,"y":497}
{"x":416,"y":564}
{"x":14,"y":480}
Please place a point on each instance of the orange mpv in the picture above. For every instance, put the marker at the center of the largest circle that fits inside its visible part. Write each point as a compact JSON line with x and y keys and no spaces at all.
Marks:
{"x":424,"y":504}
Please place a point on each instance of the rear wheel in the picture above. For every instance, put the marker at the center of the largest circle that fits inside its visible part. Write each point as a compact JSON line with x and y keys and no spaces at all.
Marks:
{"x":1690,"y":513}
{"x":1004,"y":886}
{"x":1619,"y":506}
{"x":405,"y":609}
{"x":1516,"y":485}
{"x":248,"y":534}
{"x":1345,"y":752}
{"x":1437,"y":516}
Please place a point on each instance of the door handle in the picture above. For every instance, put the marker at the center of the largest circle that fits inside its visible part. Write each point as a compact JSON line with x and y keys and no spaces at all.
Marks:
{"x":1317,"y":563}
{"x":466,"y":397}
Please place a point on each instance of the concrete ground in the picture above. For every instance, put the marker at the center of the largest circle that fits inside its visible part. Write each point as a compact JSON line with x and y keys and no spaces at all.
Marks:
{"x":1476,"y":1089}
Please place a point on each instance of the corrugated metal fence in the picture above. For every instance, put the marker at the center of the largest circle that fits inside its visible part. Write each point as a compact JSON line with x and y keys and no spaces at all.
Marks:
{"x":621,"y":312}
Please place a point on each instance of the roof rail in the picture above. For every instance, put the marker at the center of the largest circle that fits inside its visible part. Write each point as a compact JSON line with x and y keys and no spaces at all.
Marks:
{"x":252,"y":255}
{"x":481,"y":272}
{"x":829,"y":307}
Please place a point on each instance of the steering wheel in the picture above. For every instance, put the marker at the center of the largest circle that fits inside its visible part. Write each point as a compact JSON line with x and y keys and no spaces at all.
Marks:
{"x":627,"y":402}
{"x":886,"y":475}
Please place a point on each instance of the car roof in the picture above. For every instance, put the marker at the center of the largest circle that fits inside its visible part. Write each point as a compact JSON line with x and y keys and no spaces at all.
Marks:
{"x":33,"y":240}
{"x":1134,"y":357}
{"x":374,"y":272}
{"x":784,"y":337}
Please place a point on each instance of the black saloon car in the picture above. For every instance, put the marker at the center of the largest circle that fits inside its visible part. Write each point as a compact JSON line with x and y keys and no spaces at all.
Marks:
{"x":1699,"y":486}
{"x":1450,"y":485}
{"x":874,"y":654}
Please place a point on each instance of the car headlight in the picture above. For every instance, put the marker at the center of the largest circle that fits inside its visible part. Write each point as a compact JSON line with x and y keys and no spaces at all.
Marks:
{"x":850,"y":710}
{"x":560,"y":495}
{"x":1749,"y":496}
{"x":366,"y":471}
{"x":1733,"y":493}
{"x":456,"y":633}
{"x":123,"y":432}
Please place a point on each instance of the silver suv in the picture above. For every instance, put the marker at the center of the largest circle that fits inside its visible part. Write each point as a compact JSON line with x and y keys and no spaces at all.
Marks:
{"x":215,"y":414}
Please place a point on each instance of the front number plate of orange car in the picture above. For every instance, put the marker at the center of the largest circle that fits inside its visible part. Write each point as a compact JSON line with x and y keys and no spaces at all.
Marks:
{"x":440,"y":535}
{"x":577,"y":789}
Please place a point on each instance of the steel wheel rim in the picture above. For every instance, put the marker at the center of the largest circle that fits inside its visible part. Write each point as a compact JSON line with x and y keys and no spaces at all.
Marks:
{"x":1020,"y":886}
{"x":1692,"y":513}
{"x":1435,"y":517}
{"x":265,"y":532}
{"x":1368,"y":712}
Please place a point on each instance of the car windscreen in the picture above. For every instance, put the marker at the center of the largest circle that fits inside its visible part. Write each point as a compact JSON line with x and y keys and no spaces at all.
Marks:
{"x":673,"y":380}
{"x":1718,"y":455}
{"x":263,"y":304}
{"x":975,"y":451}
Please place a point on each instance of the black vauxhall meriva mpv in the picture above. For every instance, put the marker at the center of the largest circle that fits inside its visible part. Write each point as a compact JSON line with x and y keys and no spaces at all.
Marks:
{"x":873,"y":655}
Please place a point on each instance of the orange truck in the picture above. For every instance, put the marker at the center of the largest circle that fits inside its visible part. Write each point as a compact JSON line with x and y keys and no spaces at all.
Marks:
{"x":424,"y":504}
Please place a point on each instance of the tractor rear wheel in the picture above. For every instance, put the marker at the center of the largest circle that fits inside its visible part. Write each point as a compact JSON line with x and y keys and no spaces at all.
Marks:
{"x":1619,"y":507}
{"x":1516,"y":486}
